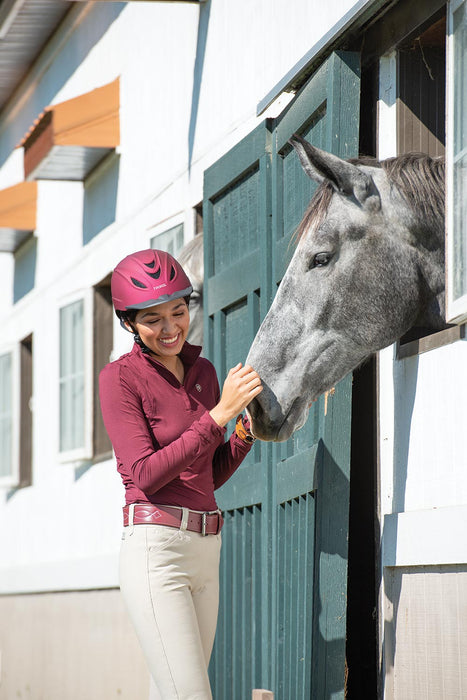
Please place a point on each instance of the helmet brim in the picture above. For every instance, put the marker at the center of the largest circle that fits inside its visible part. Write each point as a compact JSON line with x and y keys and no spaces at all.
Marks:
{"x":162,"y":299}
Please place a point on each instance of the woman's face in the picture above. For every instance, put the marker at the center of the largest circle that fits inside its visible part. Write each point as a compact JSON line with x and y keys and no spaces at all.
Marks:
{"x":163,"y":328}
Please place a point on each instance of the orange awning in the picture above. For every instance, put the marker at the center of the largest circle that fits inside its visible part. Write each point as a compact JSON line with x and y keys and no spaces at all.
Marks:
{"x":18,"y":206}
{"x":69,"y":139}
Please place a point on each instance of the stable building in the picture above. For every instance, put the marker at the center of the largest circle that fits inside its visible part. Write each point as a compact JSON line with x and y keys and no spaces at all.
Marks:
{"x":138,"y":124}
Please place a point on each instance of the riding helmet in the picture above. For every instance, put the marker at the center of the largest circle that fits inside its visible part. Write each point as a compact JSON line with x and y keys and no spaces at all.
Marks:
{"x":147,"y":278}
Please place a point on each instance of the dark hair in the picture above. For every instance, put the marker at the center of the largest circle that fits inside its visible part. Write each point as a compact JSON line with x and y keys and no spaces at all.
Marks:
{"x":130,"y":314}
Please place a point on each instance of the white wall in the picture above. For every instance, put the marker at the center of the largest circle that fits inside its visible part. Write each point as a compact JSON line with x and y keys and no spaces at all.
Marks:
{"x":191,"y":78}
{"x":423,"y":453}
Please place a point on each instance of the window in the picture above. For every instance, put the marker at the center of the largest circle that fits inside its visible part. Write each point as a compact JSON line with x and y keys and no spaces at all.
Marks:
{"x":75,"y":379}
{"x":457,"y":163}
{"x":8,"y":420}
{"x":171,"y":240}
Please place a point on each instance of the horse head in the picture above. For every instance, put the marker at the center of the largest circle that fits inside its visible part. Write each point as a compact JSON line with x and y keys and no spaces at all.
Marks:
{"x":368,"y":266}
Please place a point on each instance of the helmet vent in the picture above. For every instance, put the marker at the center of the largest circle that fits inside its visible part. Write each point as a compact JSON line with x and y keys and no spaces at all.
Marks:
{"x":150,"y":264}
{"x":155,"y":275}
{"x":137,"y":283}
{"x":172,"y":273}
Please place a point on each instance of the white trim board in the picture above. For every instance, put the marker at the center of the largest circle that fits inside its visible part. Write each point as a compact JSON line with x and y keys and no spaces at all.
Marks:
{"x":425,"y":538}
{"x":72,"y":575}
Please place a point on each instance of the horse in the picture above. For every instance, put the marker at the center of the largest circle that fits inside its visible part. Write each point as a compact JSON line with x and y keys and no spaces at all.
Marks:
{"x":192,"y":261}
{"x":368,"y":266}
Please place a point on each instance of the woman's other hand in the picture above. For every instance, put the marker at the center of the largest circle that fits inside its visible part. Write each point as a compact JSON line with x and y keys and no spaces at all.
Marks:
{"x":240,"y":387}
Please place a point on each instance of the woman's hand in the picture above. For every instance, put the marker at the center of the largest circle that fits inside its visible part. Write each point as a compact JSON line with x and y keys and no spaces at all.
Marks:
{"x":240,"y":387}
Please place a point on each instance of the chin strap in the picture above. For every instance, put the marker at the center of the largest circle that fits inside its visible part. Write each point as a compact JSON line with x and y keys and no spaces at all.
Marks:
{"x":138,"y":341}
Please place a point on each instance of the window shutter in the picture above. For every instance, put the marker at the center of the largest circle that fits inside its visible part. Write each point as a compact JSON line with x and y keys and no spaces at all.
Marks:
{"x":26,"y":416}
{"x":102,"y":347}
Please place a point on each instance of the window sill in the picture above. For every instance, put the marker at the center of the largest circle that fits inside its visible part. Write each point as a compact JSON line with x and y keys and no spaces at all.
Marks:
{"x":430,"y":342}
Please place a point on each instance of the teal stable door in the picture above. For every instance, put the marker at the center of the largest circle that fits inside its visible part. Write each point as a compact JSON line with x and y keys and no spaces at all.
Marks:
{"x":282,"y":616}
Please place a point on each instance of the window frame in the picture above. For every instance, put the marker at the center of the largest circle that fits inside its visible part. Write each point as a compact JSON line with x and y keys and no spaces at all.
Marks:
{"x":83,"y":452}
{"x":12,"y":480}
{"x":456,"y":309}
{"x":169,"y":226}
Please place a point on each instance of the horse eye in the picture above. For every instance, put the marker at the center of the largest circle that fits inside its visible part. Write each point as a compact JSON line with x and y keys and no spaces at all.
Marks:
{"x":320,"y":260}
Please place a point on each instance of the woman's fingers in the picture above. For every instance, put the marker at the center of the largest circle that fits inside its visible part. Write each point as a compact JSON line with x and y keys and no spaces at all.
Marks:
{"x":241,"y":386}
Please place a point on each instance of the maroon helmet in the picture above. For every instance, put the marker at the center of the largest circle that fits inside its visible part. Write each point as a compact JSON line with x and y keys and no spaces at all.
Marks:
{"x":147,"y":278}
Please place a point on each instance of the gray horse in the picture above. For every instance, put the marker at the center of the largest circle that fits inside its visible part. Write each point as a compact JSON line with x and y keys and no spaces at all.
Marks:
{"x":368,"y":266}
{"x":191,"y":259}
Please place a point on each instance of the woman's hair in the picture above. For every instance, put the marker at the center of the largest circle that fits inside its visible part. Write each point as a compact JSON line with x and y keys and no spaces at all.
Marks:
{"x":130,"y":314}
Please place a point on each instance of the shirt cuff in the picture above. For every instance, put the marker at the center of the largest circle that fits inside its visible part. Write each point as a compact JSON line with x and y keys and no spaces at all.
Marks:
{"x":208,"y":420}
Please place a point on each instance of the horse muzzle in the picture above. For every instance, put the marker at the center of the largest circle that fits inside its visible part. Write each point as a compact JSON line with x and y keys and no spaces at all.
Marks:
{"x":270,"y":423}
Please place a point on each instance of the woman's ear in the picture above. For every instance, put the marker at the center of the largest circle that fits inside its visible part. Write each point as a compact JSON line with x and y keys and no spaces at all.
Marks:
{"x":125,"y":323}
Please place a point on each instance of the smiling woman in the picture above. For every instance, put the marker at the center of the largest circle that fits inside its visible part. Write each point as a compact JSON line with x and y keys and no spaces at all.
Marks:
{"x":166,"y":419}
{"x":163,"y":329}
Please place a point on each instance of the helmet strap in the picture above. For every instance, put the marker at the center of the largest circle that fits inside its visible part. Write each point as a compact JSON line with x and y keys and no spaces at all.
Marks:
{"x":136,"y":336}
{"x":144,"y":348}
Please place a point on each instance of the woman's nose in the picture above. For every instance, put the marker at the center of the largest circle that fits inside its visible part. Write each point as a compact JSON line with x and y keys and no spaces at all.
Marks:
{"x":168,"y":325}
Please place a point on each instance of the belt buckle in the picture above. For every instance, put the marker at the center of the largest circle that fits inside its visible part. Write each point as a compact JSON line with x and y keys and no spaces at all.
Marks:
{"x":203,"y":524}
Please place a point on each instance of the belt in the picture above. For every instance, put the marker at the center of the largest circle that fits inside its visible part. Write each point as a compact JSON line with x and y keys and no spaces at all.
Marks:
{"x":208,"y":523}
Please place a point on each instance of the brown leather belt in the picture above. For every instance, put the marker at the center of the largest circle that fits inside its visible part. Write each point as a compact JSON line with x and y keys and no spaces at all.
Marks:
{"x":208,"y":523}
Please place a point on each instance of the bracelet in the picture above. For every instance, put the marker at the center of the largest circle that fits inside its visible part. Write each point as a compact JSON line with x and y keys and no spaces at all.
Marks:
{"x":243,"y":432}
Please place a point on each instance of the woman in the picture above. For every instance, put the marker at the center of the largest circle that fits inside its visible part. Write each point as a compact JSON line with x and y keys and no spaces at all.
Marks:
{"x":166,"y":421}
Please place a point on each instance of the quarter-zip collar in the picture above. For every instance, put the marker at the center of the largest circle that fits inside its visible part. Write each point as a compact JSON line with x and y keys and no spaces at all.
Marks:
{"x":188,"y":355}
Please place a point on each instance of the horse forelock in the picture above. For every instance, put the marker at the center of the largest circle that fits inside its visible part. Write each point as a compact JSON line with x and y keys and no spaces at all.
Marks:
{"x":419,"y":179}
{"x":315,"y":212}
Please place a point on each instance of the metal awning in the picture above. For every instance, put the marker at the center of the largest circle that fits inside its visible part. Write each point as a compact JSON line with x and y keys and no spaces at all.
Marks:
{"x":69,"y":139}
{"x":25,"y":27}
{"x":18,"y":205}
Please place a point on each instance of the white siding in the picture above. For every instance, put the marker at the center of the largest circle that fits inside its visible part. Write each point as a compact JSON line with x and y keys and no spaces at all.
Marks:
{"x":190,"y":80}
{"x":423,"y":469}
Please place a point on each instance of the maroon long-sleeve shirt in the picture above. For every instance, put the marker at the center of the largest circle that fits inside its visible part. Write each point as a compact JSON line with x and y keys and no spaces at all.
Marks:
{"x":169,"y":450}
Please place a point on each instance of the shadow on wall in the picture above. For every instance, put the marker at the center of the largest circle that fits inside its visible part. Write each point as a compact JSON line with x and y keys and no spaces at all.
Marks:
{"x":78,"y":45}
{"x":100,"y":198}
{"x":405,"y":389}
{"x":24,"y":275}
{"x":203,"y":26}
{"x":331,"y":538}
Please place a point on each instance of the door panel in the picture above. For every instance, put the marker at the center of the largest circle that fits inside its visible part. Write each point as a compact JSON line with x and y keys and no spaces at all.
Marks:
{"x":237,"y":233}
{"x":317,"y":115}
{"x":284,"y":560}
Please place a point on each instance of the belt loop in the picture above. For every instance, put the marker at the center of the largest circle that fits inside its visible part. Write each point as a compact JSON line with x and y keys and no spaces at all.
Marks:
{"x":131,"y":518}
{"x":184,"y":523}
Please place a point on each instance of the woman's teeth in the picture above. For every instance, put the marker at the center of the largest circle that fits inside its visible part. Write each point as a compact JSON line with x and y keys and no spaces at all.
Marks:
{"x":169,"y":341}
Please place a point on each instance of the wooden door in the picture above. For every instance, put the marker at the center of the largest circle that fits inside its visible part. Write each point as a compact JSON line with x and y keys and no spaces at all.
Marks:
{"x":284,"y":562}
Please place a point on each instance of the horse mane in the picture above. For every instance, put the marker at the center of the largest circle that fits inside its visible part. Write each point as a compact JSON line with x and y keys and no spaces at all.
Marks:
{"x":419,"y":178}
{"x":191,"y":257}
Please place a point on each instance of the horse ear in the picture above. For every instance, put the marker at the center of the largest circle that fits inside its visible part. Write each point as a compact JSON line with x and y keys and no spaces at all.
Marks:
{"x":321,"y":167}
